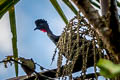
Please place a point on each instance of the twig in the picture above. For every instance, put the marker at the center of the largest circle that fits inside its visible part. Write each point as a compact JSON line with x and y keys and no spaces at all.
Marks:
{"x":40,"y":75}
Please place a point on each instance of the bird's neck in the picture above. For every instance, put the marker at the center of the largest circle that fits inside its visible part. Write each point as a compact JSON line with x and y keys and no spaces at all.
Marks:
{"x":53,"y":37}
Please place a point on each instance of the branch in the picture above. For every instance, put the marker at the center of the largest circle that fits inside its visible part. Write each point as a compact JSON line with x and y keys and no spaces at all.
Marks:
{"x":38,"y":75}
{"x":109,"y":35}
{"x":52,"y":73}
{"x":114,"y":26}
{"x":104,"y":6}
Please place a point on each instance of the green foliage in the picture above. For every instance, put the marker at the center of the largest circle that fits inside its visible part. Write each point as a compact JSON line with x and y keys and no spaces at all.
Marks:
{"x":14,"y":39}
{"x":69,"y":4}
{"x":118,"y":3}
{"x":59,"y":10}
{"x":95,"y":4}
{"x":5,"y":5}
{"x":108,"y":69}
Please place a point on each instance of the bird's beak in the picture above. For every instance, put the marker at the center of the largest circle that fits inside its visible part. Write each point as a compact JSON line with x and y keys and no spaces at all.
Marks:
{"x":35,"y":28}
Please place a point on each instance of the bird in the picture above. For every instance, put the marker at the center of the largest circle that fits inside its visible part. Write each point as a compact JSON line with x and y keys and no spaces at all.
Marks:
{"x":43,"y":26}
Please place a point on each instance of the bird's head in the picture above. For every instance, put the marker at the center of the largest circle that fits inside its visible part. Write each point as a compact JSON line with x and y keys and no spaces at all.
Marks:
{"x":41,"y":25}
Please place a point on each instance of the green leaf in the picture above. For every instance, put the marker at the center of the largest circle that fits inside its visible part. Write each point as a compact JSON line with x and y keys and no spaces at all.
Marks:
{"x":14,"y":39}
{"x":5,"y":5}
{"x":118,"y":4}
{"x":98,"y":1}
{"x":69,"y":4}
{"x":108,"y":69}
{"x":59,"y":10}
{"x":95,"y":4}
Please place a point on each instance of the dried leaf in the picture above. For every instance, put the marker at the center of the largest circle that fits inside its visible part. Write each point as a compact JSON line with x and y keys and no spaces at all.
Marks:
{"x":28,"y":65}
{"x":5,"y":64}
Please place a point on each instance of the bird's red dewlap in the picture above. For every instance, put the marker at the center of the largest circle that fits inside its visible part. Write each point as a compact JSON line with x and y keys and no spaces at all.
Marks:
{"x":43,"y":30}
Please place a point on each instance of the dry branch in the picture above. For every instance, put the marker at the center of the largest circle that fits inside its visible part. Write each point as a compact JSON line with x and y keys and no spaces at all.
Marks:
{"x":52,"y":73}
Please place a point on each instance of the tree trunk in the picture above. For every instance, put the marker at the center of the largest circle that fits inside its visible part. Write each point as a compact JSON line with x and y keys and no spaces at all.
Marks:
{"x":108,"y":29}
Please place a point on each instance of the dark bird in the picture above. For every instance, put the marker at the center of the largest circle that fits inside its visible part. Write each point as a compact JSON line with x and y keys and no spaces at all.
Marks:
{"x":43,"y":26}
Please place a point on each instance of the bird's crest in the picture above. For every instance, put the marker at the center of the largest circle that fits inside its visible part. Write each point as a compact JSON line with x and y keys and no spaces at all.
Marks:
{"x":40,"y":21}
